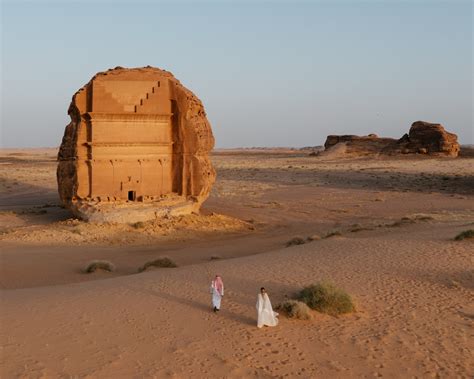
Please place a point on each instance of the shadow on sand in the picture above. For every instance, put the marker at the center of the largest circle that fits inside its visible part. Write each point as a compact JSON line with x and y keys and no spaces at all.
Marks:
{"x":203,"y":307}
{"x":356,"y":179}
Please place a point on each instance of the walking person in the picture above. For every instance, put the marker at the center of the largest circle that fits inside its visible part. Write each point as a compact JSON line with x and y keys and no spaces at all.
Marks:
{"x":265,"y":314}
{"x":217,"y":291}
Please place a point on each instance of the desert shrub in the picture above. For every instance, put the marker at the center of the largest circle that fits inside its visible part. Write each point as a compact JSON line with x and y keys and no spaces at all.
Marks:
{"x":295,"y":309}
{"x":163,"y":262}
{"x":327,"y":298}
{"x":359,"y":228}
{"x":314,"y":237}
{"x":410,"y":220}
{"x":95,"y":265}
{"x":296,"y":241}
{"x":333,"y":234}
{"x":138,"y":225}
{"x":467,"y":234}
{"x":401,"y":222}
{"x":422,"y":217}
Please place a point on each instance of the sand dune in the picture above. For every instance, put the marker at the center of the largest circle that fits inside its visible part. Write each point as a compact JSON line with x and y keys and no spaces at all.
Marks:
{"x":413,"y":285}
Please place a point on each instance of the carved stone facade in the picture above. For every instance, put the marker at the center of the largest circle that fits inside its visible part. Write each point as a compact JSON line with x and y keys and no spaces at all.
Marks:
{"x":136,"y":148}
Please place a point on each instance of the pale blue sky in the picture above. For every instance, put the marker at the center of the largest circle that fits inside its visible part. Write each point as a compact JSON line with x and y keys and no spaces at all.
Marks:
{"x":273,"y":73}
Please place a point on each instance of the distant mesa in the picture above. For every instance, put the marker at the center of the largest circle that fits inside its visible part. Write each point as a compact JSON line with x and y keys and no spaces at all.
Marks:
{"x":423,"y":138}
{"x":137,"y":148}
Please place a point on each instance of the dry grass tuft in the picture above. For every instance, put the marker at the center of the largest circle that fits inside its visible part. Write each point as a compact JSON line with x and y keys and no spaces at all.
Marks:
{"x":138,"y":225}
{"x":296,"y":241}
{"x":359,"y":228}
{"x":403,"y":221}
{"x":410,"y":220}
{"x":76,"y":231}
{"x":215,"y":257}
{"x":333,"y":234}
{"x":295,"y":309}
{"x":162,"y":262}
{"x":95,"y":265}
{"x":466,"y":234}
{"x":423,"y":217}
{"x":327,"y":298}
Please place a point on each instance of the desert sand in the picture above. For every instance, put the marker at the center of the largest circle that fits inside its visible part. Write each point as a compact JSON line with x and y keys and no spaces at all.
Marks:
{"x":393,"y":220}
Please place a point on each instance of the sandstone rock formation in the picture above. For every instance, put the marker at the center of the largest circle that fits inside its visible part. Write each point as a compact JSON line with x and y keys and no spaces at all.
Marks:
{"x":136,"y":148}
{"x":360,"y":145}
{"x":431,"y":139}
{"x":423,"y":138}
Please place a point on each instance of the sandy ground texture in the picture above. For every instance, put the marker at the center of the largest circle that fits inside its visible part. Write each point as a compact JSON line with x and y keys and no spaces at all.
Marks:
{"x":380,"y":228}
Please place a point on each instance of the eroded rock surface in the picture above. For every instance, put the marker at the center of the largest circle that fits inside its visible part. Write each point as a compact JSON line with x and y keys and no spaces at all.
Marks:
{"x":361,"y":145}
{"x":136,"y":148}
{"x":427,"y":138}
{"x":423,"y":138}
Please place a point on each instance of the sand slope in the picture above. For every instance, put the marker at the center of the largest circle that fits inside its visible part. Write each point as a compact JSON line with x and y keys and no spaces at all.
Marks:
{"x":413,"y":316}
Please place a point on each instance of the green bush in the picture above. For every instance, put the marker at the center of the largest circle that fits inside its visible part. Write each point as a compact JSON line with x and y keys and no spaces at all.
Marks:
{"x":467,"y":234}
{"x":295,"y":309}
{"x":95,"y":265}
{"x":327,"y":298}
{"x":163,"y":262}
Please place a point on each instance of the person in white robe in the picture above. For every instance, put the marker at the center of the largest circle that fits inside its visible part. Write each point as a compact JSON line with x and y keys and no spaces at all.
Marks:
{"x":217,"y":291}
{"x":265,"y":314}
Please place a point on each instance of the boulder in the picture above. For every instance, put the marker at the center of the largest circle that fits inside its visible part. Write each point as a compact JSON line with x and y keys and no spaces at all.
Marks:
{"x":137,"y":148}
{"x":430,"y":139}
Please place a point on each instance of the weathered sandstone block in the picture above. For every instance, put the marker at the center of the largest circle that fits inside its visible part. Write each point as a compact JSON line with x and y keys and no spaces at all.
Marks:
{"x":427,"y":138}
{"x":136,"y":148}
{"x":423,"y":138}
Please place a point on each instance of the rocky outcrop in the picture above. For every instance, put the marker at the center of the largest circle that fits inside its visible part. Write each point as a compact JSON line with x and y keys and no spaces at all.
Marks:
{"x":423,"y":138}
{"x":136,"y":148}
{"x":427,"y":138}
{"x":360,"y":145}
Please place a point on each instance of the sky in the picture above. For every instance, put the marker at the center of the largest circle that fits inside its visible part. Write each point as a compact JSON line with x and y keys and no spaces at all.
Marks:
{"x":270,"y":73}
